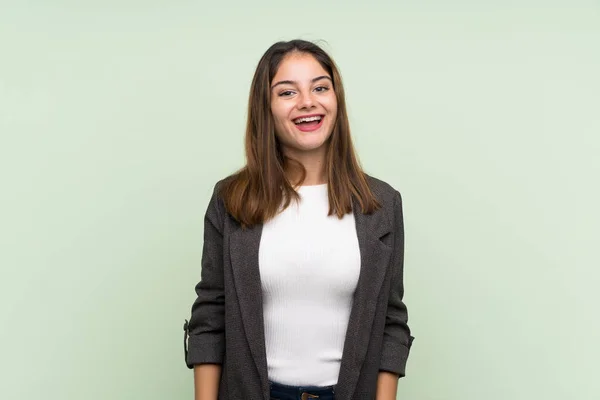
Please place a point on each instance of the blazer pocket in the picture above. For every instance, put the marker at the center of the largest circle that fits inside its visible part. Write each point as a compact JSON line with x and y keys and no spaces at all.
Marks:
{"x":386,"y":240}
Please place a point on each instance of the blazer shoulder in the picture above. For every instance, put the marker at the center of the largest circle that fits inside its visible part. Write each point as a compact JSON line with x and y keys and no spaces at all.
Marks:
{"x":218,"y":186}
{"x":382,"y":190}
{"x":219,"y":190}
{"x":216,"y":206}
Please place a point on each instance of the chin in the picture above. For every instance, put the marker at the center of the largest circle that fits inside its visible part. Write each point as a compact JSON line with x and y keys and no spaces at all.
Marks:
{"x":312,"y":146}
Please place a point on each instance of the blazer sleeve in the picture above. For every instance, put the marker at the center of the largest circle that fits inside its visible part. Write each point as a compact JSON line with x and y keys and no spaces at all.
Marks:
{"x":205,"y":332}
{"x":397,"y":339}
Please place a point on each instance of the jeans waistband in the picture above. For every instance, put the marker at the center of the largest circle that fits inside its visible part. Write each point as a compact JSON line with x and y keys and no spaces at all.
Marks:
{"x":299,"y":391}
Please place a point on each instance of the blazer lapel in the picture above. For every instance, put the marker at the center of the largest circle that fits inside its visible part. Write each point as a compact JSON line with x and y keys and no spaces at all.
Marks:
{"x":243,"y":251}
{"x":374,"y":260}
{"x":374,"y":257}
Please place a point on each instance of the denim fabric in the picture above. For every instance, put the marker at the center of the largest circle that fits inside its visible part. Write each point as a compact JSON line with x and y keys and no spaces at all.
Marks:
{"x":286,"y":392}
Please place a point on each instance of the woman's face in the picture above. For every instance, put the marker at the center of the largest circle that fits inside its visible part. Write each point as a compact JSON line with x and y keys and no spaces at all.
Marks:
{"x":303,"y":105}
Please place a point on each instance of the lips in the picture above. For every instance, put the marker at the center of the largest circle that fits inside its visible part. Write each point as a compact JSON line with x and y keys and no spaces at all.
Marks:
{"x":309,"y":123}
{"x":308,"y":118}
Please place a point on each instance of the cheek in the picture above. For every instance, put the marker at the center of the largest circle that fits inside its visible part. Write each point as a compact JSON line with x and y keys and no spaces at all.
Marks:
{"x":333,"y":115}
{"x":280,"y":121}
{"x":279,"y":112}
{"x":332,"y":108}
{"x":332,"y":105}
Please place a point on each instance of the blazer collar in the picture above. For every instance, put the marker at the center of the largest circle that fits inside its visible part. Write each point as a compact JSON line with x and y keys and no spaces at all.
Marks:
{"x":374,"y":256}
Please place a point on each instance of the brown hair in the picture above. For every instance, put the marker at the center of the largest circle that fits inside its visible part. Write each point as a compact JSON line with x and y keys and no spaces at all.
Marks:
{"x":255,"y":193}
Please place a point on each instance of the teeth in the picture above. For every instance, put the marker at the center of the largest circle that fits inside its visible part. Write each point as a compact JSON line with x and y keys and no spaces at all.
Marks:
{"x":309,"y":119}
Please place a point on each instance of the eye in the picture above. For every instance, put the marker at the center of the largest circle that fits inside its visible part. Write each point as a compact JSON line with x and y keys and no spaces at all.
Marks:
{"x":321,"y":89}
{"x":286,"y":93}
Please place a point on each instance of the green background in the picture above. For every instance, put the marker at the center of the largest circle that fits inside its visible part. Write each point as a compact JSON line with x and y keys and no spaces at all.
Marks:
{"x":117,"y":118}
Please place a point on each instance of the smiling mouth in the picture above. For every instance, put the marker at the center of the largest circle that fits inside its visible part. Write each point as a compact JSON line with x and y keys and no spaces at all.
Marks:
{"x":306,"y":120}
{"x":309,"y":124}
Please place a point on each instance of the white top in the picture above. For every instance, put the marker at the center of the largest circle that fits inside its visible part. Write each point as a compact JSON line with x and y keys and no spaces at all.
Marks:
{"x":309,"y":267}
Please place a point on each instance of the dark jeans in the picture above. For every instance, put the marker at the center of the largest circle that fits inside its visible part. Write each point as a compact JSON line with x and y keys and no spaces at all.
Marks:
{"x":286,"y":392}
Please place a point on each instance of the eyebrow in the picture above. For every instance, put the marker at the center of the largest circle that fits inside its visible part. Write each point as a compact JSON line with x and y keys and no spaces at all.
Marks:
{"x":313,"y":80}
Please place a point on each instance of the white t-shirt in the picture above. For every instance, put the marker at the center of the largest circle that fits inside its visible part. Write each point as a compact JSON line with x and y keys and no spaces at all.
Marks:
{"x":309,"y":267}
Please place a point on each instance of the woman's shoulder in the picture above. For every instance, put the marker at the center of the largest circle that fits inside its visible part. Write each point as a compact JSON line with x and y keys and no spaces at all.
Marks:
{"x":221,"y":183}
{"x":381,"y":188}
{"x":383,"y":191}
{"x":388,"y":197}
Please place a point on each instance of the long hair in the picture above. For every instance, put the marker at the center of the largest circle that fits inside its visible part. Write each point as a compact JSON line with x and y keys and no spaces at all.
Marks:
{"x":258,"y":191}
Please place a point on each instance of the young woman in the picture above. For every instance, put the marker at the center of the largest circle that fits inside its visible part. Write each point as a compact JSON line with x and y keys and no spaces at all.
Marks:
{"x":301,"y":286}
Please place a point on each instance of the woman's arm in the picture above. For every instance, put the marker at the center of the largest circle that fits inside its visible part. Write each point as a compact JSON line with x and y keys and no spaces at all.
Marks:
{"x":397,"y":338}
{"x":206,"y":329}
{"x":206,"y":381}
{"x":387,"y":385}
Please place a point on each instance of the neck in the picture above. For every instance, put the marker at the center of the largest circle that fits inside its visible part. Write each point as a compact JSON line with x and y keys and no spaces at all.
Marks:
{"x":313,"y":163}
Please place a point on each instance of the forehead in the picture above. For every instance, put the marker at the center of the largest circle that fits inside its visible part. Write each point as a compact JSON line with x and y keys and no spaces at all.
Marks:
{"x":299,"y":67}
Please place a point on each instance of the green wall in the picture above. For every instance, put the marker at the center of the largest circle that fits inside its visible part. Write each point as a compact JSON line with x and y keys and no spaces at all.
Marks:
{"x":117,"y":117}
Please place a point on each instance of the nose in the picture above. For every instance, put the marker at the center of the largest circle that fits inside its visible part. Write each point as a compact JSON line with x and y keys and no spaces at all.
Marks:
{"x":305,"y":101}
